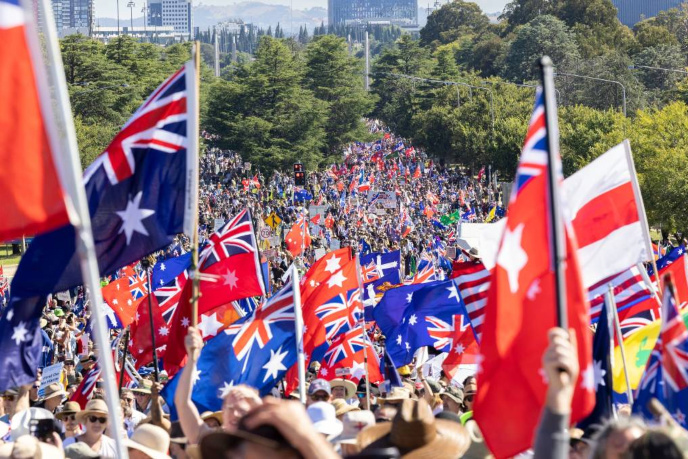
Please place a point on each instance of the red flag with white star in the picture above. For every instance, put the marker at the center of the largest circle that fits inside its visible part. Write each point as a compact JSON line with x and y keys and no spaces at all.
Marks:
{"x":521,"y":308}
{"x":118,"y":296}
{"x":298,"y":237}
{"x":322,"y":269}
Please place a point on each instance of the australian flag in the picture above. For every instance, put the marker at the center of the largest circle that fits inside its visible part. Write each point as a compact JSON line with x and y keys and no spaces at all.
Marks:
{"x":666,"y":373}
{"x":139,"y":193}
{"x":376,"y":269}
{"x":166,"y":271}
{"x":602,"y":366}
{"x":257,"y":351}
{"x":420,"y":315}
{"x":668,"y":259}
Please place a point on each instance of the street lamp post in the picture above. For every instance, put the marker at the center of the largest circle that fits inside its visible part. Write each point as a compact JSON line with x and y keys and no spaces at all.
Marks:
{"x":118,"y":18}
{"x":144,"y":10}
{"x":636,"y":66}
{"x":623,"y":88}
{"x":131,"y":6}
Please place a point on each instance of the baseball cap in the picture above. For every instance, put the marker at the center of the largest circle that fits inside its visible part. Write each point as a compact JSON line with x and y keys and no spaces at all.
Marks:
{"x":318,"y":385}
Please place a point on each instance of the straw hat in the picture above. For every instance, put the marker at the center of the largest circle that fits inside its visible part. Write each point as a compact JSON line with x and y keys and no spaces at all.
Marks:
{"x":150,"y":440}
{"x":96,"y":406}
{"x":416,"y":434}
{"x":346,"y":384}
{"x":54,"y":390}
{"x":69,"y":408}
{"x":144,"y":388}
{"x":474,"y":253}
{"x":217,"y":415}
{"x":28,"y":447}
{"x":397,"y":394}
{"x":342,"y":407}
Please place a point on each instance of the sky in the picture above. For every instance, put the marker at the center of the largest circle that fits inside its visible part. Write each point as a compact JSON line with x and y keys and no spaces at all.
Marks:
{"x":108,"y":8}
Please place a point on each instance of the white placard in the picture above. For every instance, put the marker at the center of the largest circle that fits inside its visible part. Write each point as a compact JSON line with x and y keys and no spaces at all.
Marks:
{"x":388,"y":199}
{"x":317,"y":210}
{"x":319,"y":253}
{"x":274,"y":241}
{"x":218,"y":223}
{"x":50,"y":376}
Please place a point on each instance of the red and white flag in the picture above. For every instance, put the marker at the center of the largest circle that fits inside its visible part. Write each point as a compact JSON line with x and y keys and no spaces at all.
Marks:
{"x":522,"y":307}
{"x":298,"y":237}
{"x":30,"y":190}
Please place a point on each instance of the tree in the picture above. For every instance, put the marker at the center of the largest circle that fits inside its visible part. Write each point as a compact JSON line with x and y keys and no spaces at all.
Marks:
{"x":544,"y":36}
{"x":451,"y":21}
{"x":335,"y":78}
{"x":650,"y":34}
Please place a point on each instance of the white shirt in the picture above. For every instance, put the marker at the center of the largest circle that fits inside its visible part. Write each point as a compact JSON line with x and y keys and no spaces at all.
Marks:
{"x":108,"y":448}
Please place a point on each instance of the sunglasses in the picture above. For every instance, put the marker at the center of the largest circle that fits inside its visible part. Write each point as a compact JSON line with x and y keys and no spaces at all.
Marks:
{"x":95,"y":419}
{"x":70,"y":417}
{"x":320,"y":398}
{"x":129,"y":399}
{"x":8,"y":397}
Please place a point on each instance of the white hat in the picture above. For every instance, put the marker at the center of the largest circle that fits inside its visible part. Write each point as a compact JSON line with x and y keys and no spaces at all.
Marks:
{"x":324,"y":419}
{"x":354,"y":422}
{"x":151,"y":440}
{"x":20,"y":423}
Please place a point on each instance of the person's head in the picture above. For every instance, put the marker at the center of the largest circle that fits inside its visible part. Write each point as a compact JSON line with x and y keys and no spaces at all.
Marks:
{"x":94,"y":417}
{"x":68,"y":416}
{"x":87,"y":362}
{"x":9,"y":399}
{"x":470,"y":388}
{"x":236,"y":403}
{"x":69,"y":366}
{"x":54,"y":394}
{"x":342,"y":388}
{"x":148,"y":442}
{"x":452,"y":399}
{"x":654,"y":443}
{"x":319,"y":391}
{"x":613,"y":438}
{"x":128,"y":398}
{"x":142,"y":394}
{"x":212,"y":419}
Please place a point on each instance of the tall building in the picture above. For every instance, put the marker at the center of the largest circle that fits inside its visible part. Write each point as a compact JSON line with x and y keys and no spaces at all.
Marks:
{"x":175,"y":13}
{"x":72,"y":16}
{"x":632,"y":11}
{"x":351,"y":12}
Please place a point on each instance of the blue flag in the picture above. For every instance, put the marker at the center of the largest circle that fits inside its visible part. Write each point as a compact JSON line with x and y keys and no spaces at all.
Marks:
{"x":166,"y":271}
{"x":302,"y":195}
{"x":431,"y":315}
{"x":666,"y":373}
{"x":601,"y":356}
{"x":363,"y":247}
{"x":137,"y":195}
{"x":667,"y":259}
{"x":256,"y":351}
{"x":376,"y":269}
{"x":389,"y":372}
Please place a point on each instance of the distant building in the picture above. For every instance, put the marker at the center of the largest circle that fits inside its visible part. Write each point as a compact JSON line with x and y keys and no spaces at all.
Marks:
{"x":632,"y":11}
{"x":150,"y":34}
{"x":175,"y":13}
{"x":353,"y":12}
{"x":72,"y":16}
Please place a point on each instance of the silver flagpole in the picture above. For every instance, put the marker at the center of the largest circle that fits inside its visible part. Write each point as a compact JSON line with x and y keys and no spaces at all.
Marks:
{"x":70,"y":173}
{"x":298,"y":324}
{"x":363,"y":331}
{"x":611,"y":303}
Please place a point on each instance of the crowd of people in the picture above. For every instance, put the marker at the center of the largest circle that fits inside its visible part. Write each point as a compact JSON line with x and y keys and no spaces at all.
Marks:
{"x":421,"y":416}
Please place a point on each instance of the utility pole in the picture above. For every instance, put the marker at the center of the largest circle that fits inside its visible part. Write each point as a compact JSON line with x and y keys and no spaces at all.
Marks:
{"x":118,"y":18}
{"x":234,"y":48}
{"x":131,"y":6}
{"x":367,"y":62}
{"x":217,"y":55}
{"x":144,"y":11}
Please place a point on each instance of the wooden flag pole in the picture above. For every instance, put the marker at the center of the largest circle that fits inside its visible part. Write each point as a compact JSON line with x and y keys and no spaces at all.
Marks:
{"x":193,"y":143}
{"x":556,"y":227}
{"x":611,"y":304}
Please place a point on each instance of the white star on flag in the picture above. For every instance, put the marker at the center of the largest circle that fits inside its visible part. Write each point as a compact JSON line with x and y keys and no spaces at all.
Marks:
{"x":599,"y":374}
{"x":226,"y":387}
{"x":533,"y":290}
{"x":10,"y":314}
{"x":408,"y":346}
{"x":512,"y":258}
{"x":358,"y":370}
{"x":336,"y":279}
{"x":162,"y":267}
{"x":453,"y":292}
{"x":196,"y":376}
{"x":409,"y":297}
{"x":185,"y":321}
{"x":399,"y":340}
{"x":230,"y":279}
{"x":274,"y":365}
{"x":163,"y":331}
{"x":209,"y":325}
{"x":132,"y":218}
{"x":459,"y":348}
{"x":680,"y":417}
{"x":588,"y":378}
{"x":413,"y":319}
{"x":332,"y":264}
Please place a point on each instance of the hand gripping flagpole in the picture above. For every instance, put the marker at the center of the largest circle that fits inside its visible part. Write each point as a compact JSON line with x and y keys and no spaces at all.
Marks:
{"x":298,"y":324}
{"x":69,"y":170}
{"x":558,"y":243}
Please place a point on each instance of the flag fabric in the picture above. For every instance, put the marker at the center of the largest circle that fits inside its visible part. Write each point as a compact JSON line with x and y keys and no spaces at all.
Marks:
{"x":673,"y":255}
{"x":30,"y":189}
{"x":255,"y":351}
{"x":138,"y":286}
{"x":426,"y":273}
{"x":473,"y":281}
{"x":432,"y":315}
{"x":629,"y":288}
{"x":390,"y":374}
{"x":678,"y":270}
{"x":601,"y":356}
{"x":322,"y":269}
{"x":298,"y":238}
{"x":521,"y":308}
{"x":166,"y":271}
{"x":378,"y":269}
{"x":302,"y":195}
{"x":666,"y":373}
{"x":346,"y":357}
{"x":138,"y":194}
{"x":119,"y":299}
{"x":84,"y":391}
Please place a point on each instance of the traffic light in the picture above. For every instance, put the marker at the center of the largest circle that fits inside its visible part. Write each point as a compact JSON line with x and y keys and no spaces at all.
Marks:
{"x":299,"y":175}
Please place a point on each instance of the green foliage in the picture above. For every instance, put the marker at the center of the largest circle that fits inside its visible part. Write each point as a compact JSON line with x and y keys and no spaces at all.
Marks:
{"x":452,"y":21}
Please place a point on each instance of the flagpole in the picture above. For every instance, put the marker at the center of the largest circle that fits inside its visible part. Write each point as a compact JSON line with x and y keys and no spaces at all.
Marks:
{"x":363,"y":324}
{"x":298,"y":325}
{"x":556,"y":226}
{"x":611,"y":302}
{"x":193,"y":147}
{"x":641,"y":207}
{"x":124,"y":360}
{"x":68,"y":165}
{"x":646,"y":278}
{"x":146,"y":265}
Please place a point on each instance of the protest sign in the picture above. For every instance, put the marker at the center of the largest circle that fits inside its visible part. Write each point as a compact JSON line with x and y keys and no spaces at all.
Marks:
{"x":50,"y":375}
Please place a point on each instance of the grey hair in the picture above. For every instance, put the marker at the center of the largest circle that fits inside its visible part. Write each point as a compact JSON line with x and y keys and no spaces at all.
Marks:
{"x":599,"y":447}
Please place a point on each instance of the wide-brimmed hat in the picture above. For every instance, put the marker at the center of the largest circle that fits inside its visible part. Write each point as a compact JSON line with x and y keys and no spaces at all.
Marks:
{"x":346,"y":384}
{"x":150,"y":440}
{"x":324,"y":419}
{"x":69,"y":408}
{"x":216,"y":444}
{"x":28,"y":446}
{"x":341,"y":407}
{"x":145,"y":387}
{"x":96,"y":406}
{"x":217,"y":415}
{"x":353,"y":423}
{"x":453,"y":393}
{"x":397,"y":394}
{"x":474,"y":253}
{"x":416,"y":433}
{"x":79,"y":450}
{"x":54,"y":390}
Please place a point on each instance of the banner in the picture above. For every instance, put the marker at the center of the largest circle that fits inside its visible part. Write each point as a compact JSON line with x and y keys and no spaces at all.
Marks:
{"x":50,"y":376}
